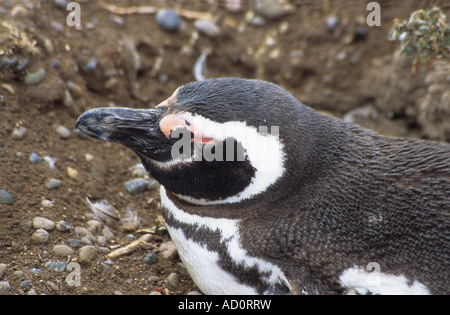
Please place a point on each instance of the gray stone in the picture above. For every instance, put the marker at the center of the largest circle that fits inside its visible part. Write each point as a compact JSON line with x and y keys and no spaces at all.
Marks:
{"x":43,"y":223}
{"x":63,"y":226}
{"x":3,"y":269}
{"x":151,"y":258}
{"x":57,"y":266}
{"x":62,"y":250}
{"x":53,"y":183}
{"x":106,"y":232}
{"x":207,"y":28}
{"x":4,"y":287}
{"x":18,"y":133}
{"x":173,"y":279}
{"x":40,"y":237}
{"x":136,"y":186}
{"x":87,"y":253}
{"x":63,"y":132}
{"x":168,"y":20}
{"x":6,"y":197}
{"x":35,"y":77}
{"x":35,"y":158}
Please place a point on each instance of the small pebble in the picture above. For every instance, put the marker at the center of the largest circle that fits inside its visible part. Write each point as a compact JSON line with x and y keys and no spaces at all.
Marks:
{"x":25,"y":285}
{"x":168,"y":250}
{"x":87,"y":253}
{"x":18,"y":274}
{"x":207,"y":28}
{"x":26,"y":226}
{"x":46,"y":203}
{"x":74,"y":242}
{"x":63,"y":226}
{"x":332,"y":22}
{"x":55,"y":64}
{"x":5,"y":197}
{"x":136,"y":186}
{"x":63,"y":132}
{"x":61,"y":4}
{"x":152,"y":279}
{"x":40,"y":237}
{"x":8,"y":62}
{"x":3,"y":269}
{"x":19,"y":133}
{"x":73,"y":173}
{"x":94,"y":226}
{"x":35,"y":77}
{"x":151,"y":258}
{"x":168,"y":20}
{"x":4,"y":287}
{"x":63,"y":250}
{"x":272,"y":9}
{"x":35,"y":271}
{"x":68,"y":100}
{"x":23,"y":65}
{"x":35,"y":158}
{"x":91,"y":65}
{"x":84,"y":232}
{"x":233,"y":6}
{"x":53,"y":183}
{"x":106,"y":232}
{"x":57,"y":266}
{"x":173,"y":279}
{"x":74,"y":89}
{"x":43,"y":223}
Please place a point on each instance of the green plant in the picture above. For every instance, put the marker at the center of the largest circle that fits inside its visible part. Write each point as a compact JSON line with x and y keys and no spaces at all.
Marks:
{"x":425,"y":34}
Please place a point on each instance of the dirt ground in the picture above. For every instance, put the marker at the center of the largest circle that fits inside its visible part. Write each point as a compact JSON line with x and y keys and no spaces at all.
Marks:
{"x":118,"y":59}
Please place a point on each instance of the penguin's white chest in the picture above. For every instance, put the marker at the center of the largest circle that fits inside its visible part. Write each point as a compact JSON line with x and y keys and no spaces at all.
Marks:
{"x":203,"y":262}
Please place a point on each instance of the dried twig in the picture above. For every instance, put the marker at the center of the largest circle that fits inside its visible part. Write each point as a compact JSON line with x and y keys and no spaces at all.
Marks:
{"x":189,"y":14}
{"x":133,"y":246}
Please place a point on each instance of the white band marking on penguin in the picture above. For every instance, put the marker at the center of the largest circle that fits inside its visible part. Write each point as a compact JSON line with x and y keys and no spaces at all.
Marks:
{"x":264,"y":151}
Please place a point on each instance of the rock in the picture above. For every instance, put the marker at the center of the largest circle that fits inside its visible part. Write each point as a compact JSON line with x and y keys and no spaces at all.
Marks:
{"x":173,"y":279}
{"x":168,"y":250}
{"x":57,"y":266}
{"x":26,"y":226}
{"x":61,"y":4}
{"x":4,"y":287}
{"x":63,"y":226}
{"x":83,"y":232}
{"x":19,"y":133}
{"x":62,"y":250}
{"x":68,"y":100}
{"x":5,"y":197}
{"x":35,"y":77}
{"x":35,"y":158}
{"x":3,"y":269}
{"x":151,"y":258}
{"x":207,"y":28}
{"x":53,"y":183}
{"x":91,"y":65}
{"x":40,"y":237}
{"x":63,"y":132}
{"x":273,"y":9}
{"x":73,"y":173}
{"x":25,"y":285}
{"x":87,"y":253}
{"x":43,"y":223}
{"x":35,"y":271}
{"x":46,"y":203}
{"x":233,"y":6}
{"x":168,"y":20}
{"x":332,"y":22}
{"x":106,"y":232}
{"x":74,"y":242}
{"x":94,"y":226}
{"x":136,"y":186}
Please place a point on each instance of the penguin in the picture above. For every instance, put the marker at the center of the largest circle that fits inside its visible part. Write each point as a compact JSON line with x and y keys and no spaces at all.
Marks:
{"x":261,"y":194}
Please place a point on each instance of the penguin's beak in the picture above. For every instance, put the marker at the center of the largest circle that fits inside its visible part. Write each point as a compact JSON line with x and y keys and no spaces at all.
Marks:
{"x":137,"y":129}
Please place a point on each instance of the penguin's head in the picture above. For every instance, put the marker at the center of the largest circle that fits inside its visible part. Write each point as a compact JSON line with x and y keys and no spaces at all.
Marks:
{"x":213,"y":141}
